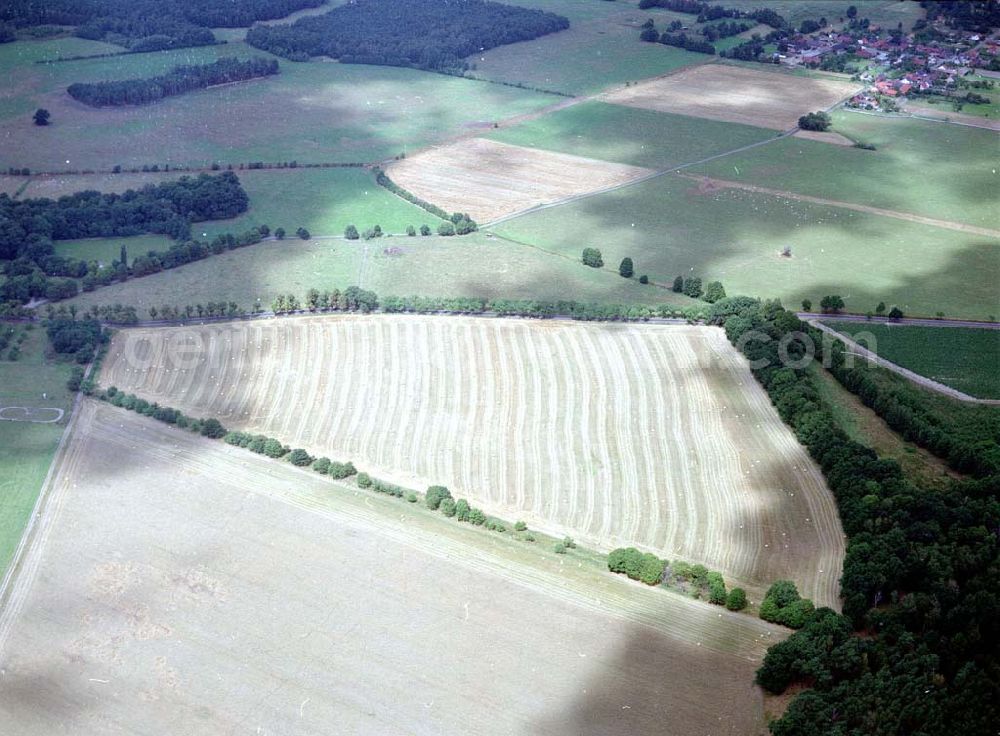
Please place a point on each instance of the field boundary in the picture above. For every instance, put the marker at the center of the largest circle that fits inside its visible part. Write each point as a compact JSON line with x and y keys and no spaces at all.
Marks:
{"x":922,"y":381}
{"x":867,"y":209}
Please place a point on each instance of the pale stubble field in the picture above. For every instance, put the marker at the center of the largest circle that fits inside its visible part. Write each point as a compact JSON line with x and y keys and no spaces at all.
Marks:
{"x":649,"y":435}
{"x":181,"y":582}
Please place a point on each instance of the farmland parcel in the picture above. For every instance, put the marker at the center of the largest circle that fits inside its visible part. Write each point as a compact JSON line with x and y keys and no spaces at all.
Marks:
{"x":616,"y":434}
{"x":182,"y":581}
{"x":736,"y":95}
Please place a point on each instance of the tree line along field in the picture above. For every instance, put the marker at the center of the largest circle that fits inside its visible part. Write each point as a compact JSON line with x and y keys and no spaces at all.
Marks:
{"x":148,"y":600}
{"x":322,"y":200}
{"x":614,"y":434}
{"x":920,"y":167}
{"x":673,"y":225}
{"x":308,"y":112}
{"x":473,"y":265}
{"x":965,"y":359}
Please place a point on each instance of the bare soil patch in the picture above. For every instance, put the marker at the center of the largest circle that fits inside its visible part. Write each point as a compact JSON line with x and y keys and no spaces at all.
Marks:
{"x":615,"y":434}
{"x":489,"y":179}
{"x":184,"y":586}
{"x":736,"y":95}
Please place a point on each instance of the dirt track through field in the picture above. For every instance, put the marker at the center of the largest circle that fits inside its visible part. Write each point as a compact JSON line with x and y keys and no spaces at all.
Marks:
{"x":616,"y":434}
{"x":708,"y":185}
{"x":187,"y":586}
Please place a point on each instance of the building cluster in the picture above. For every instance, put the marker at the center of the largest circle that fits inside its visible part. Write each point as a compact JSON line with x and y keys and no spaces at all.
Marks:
{"x":895,"y":64}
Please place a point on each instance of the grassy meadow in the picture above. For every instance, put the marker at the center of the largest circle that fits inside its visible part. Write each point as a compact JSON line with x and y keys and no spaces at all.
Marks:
{"x":26,"y":449}
{"x":963,"y":358}
{"x":630,"y":135}
{"x":601,"y":48}
{"x":473,"y":265}
{"x":309,"y":112}
{"x":324,"y":201}
{"x":948,"y":172}
{"x":669,"y":227}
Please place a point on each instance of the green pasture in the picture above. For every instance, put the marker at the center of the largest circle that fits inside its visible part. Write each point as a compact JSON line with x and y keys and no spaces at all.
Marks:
{"x":669,"y":228}
{"x":963,"y":358}
{"x":949,"y":172}
{"x":309,"y":112}
{"x":601,"y":48}
{"x":26,"y":449}
{"x":474,"y":265}
{"x":323,"y":201}
{"x":630,"y":135}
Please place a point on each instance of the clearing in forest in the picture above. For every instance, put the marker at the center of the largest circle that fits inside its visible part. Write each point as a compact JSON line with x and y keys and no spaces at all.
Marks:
{"x":179,"y":580}
{"x":651,"y":435}
{"x":489,"y":179}
{"x":736,"y":95}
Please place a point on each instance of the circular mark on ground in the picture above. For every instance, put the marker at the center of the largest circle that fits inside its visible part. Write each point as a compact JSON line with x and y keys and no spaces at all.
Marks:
{"x":37,"y":415}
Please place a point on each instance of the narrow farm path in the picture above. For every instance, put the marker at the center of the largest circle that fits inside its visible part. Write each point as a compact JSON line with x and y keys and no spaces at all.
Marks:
{"x":709,"y":182}
{"x":916,"y":378}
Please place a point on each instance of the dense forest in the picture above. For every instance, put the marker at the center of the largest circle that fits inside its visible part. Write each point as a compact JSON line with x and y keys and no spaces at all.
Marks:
{"x":28,"y":227}
{"x":148,"y":25}
{"x":413,"y":33}
{"x":916,"y":649}
{"x":178,"y":80}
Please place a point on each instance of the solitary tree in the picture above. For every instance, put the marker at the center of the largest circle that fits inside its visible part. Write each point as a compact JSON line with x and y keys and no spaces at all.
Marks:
{"x":714,"y":292}
{"x":351,"y":232}
{"x":41,"y":116}
{"x":592,"y":257}
{"x":880,"y":309}
{"x":895,"y":313}
{"x":425,"y":230}
{"x":807,"y":305}
{"x":446,"y":228}
{"x":692,"y":287}
{"x":625,"y":269}
{"x":410,"y":230}
{"x":302,"y":233}
{"x":279,"y":233}
{"x":678,"y":286}
{"x":831,"y":304}
{"x":736,"y":600}
{"x":123,"y":256}
{"x":815,"y":121}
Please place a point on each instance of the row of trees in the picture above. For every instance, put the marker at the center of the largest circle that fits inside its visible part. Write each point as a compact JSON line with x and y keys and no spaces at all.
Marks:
{"x":692,"y":286}
{"x":461,"y":223}
{"x":919,"y":574}
{"x":694,"y":580}
{"x":412,"y":33}
{"x":178,"y":80}
{"x":966,"y":437}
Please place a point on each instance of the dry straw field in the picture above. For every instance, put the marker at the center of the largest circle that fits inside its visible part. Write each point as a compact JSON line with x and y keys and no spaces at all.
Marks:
{"x":489,"y":179}
{"x":736,"y":95}
{"x":617,"y":434}
{"x":176,"y":580}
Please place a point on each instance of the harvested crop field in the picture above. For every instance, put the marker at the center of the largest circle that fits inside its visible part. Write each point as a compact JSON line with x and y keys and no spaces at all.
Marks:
{"x":616,"y":434}
{"x":175,"y":580}
{"x":736,"y":95}
{"x":489,"y":179}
